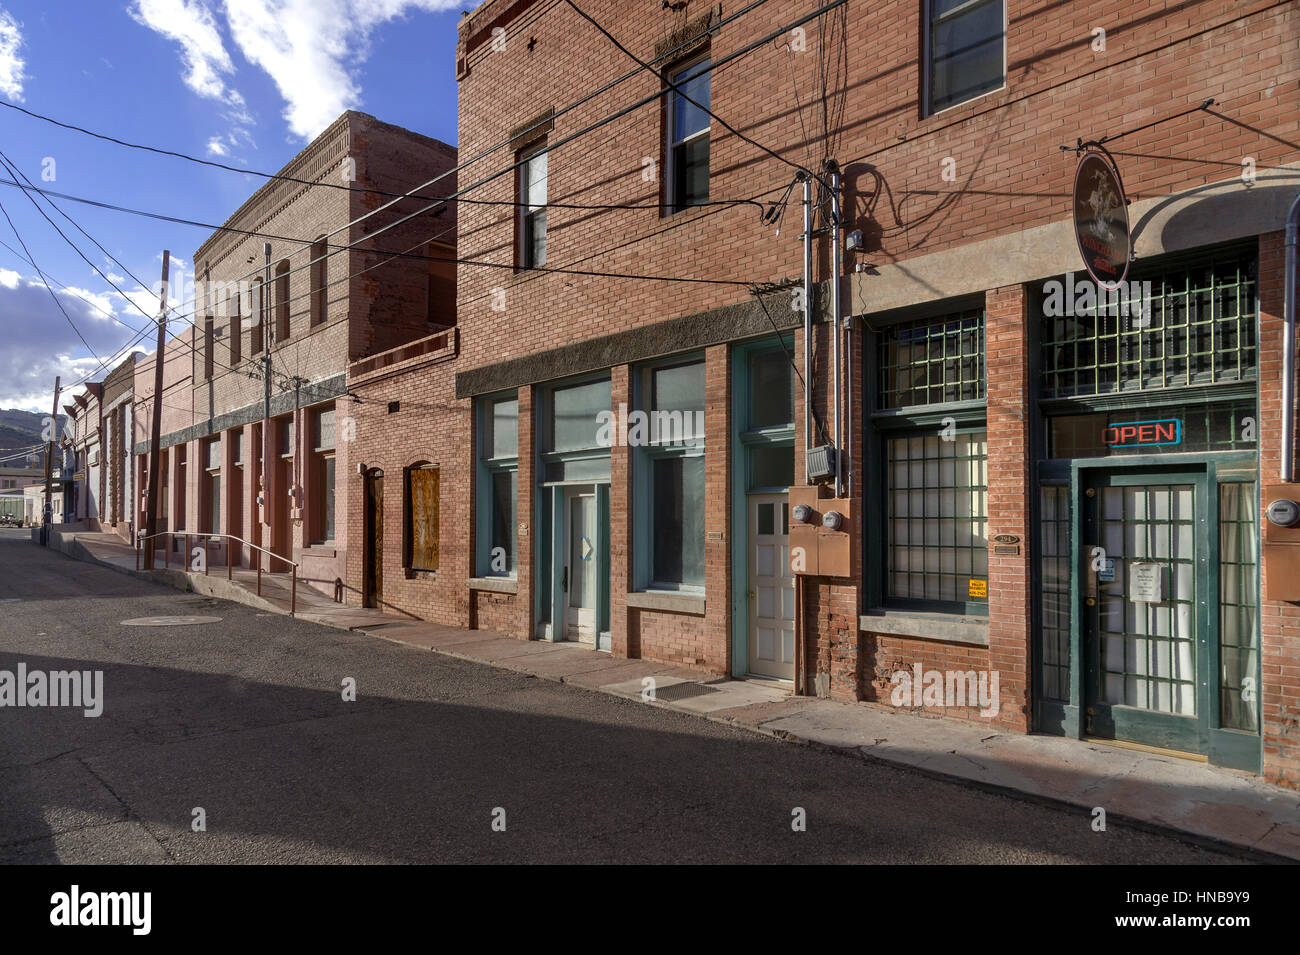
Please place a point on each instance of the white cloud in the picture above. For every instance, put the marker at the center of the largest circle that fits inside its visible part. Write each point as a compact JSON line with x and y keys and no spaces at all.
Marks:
{"x":207,"y":64}
{"x":11,"y":64}
{"x":311,"y":50}
{"x":9,"y":279}
{"x":39,"y":344}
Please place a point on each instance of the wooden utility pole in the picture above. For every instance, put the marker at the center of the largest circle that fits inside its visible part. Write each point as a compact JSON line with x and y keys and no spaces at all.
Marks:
{"x":49,"y":461}
{"x":155,"y":452}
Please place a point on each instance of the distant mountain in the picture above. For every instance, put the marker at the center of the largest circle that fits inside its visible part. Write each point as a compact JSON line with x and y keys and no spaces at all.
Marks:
{"x":22,"y":429}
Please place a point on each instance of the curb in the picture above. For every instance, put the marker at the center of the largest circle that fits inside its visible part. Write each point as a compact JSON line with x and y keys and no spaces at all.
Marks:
{"x":1234,"y":849}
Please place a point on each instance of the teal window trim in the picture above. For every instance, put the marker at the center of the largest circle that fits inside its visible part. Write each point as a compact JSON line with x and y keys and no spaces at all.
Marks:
{"x":643,"y":458}
{"x":485,"y":471}
{"x":743,"y":439}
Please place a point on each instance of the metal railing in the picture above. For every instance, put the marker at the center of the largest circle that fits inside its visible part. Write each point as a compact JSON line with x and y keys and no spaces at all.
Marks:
{"x":230,"y":564}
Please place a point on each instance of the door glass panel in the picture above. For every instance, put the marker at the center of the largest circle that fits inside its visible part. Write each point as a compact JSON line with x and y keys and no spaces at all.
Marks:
{"x":582,"y":552}
{"x":1238,"y":608}
{"x":1054,"y":601}
{"x":1147,"y":613}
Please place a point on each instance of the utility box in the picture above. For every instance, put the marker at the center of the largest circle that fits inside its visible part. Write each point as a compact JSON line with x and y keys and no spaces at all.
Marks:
{"x":822,"y":542}
{"x":1281,"y":550}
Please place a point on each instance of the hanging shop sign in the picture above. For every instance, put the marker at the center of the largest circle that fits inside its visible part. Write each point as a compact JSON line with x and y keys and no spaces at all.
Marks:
{"x":1101,"y":220}
{"x":1133,"y":434}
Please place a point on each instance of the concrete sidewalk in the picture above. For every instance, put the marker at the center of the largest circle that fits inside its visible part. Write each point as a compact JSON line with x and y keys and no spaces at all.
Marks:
{"x":1214,"y":804}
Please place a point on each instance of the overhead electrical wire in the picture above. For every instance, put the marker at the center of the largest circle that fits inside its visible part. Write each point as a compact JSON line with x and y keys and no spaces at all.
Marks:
{"x":609,"y":118}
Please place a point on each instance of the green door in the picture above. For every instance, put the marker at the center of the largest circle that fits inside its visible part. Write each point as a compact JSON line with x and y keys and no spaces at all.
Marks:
{"x":1145,"y":589}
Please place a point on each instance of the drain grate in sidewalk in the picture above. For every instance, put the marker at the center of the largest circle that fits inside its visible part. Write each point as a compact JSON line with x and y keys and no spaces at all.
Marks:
{"x":683,"y":691}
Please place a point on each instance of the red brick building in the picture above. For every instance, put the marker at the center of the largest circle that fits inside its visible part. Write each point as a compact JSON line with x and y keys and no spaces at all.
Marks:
{"x":323,"y":265}
{"x":1038,"y":487}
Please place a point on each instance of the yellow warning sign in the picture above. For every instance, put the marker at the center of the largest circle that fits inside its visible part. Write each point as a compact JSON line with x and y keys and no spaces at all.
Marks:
{"x":979,"y":588}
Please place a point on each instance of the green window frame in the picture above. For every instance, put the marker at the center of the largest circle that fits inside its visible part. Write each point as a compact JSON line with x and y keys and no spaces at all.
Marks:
{"x":670,"y":466}
{"x":496,"y":477}
{"x":929,"y":486}
{"x":1196,"y":327}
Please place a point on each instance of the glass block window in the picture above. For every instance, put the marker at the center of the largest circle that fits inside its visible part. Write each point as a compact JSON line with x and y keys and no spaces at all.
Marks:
{"x":933,"y":361}
{"x":1238,"y":608}
{"x":937,"y":516}
{"x":1194,"y":326}
{"x":1054,"y":594}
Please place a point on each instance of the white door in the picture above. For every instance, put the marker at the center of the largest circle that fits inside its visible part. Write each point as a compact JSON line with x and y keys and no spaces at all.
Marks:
{"x":581,"y":558}
{"x":771,"y":588}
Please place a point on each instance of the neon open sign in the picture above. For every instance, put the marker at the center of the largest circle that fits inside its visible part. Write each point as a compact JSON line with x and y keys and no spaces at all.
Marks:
{"x":1133,"y":434}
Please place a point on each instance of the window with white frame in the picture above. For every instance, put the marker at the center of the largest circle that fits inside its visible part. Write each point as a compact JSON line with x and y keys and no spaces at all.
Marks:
{"x":532,"y":208}
{"x":965,"y":50}
{"x":688,"y":135}
{"x":671,"y":469}
{"x":497,"y":490}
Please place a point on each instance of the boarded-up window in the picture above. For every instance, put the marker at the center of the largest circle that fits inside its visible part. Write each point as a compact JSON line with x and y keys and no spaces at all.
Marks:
{"x":422,"y":533}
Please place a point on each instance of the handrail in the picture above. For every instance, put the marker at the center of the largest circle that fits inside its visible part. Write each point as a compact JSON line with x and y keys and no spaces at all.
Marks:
{"x":232,"y":537}
{"x":230,"y":567}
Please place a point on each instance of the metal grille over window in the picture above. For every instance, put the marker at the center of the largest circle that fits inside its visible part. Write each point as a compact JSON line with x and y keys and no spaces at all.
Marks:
{"x":937,"y":516}
{"x":1177,"y":327}
{"x":933,"y":362}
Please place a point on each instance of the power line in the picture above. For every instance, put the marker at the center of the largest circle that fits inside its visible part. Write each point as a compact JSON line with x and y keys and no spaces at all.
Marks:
{"x":58,"y":304}
{"x":680,"y":92}
{"x":277,"y":176}
{"x":609,"y":118}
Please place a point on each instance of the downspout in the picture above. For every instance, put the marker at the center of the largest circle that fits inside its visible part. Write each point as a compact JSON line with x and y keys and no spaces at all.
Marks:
{"x":836,"y":329}
{"x":1288,"y":345}
{"x":807,"y":325}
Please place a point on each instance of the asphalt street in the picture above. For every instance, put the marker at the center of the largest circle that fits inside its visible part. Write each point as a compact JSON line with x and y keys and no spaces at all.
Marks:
{"x":246,"y":719}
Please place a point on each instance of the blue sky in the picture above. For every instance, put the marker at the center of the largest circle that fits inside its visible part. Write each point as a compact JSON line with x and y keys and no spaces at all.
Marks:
{"x":245,"y":82}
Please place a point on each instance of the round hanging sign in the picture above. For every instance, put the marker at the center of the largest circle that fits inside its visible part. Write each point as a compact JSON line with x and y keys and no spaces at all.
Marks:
{"x":1101,"y":220}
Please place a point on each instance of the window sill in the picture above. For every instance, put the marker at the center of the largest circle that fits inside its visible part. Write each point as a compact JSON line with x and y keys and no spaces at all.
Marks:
{"x":666,"y":601}
{"x":500,"y":585}
{"x":326,"y":549}
{"x":419,"y":574}
{"x":938,"y":627}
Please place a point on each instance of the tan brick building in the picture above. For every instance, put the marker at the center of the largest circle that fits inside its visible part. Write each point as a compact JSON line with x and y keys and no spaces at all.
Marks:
{"x":317,"y":268}
{"x":1008,"y":510}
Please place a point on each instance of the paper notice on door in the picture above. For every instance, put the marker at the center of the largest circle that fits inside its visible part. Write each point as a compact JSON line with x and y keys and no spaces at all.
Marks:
{"x":1146,"y":583}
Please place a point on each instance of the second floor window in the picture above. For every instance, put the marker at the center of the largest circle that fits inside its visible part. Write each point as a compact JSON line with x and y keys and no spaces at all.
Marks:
{"x":532,"y":210}
{"x":965,"y":50}
{"x":688,"y":136}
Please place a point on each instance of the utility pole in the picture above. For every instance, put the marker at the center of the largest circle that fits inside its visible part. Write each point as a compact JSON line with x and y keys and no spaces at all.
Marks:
{"x":266,"y":316}
{"x":49,"y":461}
{"x":155,"y":452}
